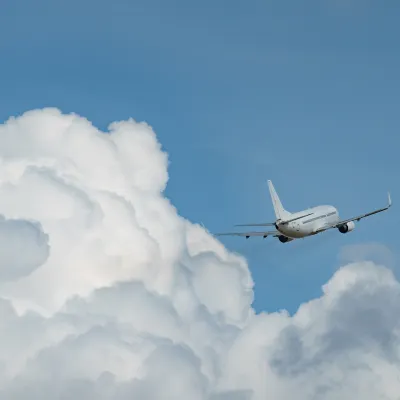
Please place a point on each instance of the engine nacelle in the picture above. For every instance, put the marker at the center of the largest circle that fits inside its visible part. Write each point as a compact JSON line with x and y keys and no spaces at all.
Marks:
{"x":284,"y":239}
{"x":347,"y":227}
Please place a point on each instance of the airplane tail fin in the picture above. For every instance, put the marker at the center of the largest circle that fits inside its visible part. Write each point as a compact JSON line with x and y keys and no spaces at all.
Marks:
{"x":280,"y":212}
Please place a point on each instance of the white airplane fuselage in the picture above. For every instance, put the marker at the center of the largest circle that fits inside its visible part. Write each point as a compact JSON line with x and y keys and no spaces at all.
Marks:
{"x":290,"y":226}
{"x":321,"y":216}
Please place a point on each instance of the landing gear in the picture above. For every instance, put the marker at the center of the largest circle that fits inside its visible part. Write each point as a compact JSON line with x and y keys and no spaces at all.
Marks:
{"x":283,"y":239}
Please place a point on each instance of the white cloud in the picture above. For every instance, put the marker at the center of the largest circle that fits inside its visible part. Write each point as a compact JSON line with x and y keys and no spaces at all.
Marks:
{"x":106,"y":293}
{"x":23,"y":248}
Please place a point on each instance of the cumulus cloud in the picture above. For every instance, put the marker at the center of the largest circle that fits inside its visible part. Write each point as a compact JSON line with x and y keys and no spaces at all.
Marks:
{"x":107,"y":293}
{"x":23,"y":248}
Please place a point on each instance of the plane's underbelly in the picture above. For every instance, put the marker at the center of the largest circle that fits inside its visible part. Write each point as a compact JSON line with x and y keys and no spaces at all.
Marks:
{"x":295,"y":231}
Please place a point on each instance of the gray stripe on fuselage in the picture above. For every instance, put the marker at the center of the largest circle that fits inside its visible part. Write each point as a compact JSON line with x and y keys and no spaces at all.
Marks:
{"x":321,"y":216}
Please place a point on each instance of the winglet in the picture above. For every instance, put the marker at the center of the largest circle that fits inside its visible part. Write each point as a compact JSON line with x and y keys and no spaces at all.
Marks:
{"x":389,"y":200}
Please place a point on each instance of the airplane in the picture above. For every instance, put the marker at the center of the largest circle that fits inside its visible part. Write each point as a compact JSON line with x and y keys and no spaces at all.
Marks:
{"x":291,"y":226}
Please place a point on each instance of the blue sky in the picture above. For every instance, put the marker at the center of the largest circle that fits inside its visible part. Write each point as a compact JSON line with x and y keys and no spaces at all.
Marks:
{"x":304,"y":94}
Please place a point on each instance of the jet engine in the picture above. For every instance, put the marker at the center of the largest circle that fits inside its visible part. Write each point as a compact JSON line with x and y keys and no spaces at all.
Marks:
{"x":347,"y":227}
{"x":284,"y":239}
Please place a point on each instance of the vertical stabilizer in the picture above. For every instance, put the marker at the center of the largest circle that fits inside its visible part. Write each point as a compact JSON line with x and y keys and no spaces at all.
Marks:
{"x":280,"y":212}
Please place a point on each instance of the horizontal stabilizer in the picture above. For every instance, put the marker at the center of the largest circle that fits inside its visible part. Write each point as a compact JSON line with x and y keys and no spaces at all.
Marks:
{"x":247,"y":234}
{"x":260,"y":224}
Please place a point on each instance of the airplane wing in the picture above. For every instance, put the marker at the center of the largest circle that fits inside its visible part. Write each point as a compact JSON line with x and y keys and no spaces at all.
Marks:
{"x":367,"y":214}
{"x":358,"y":217}
{"x":248,"y":234}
